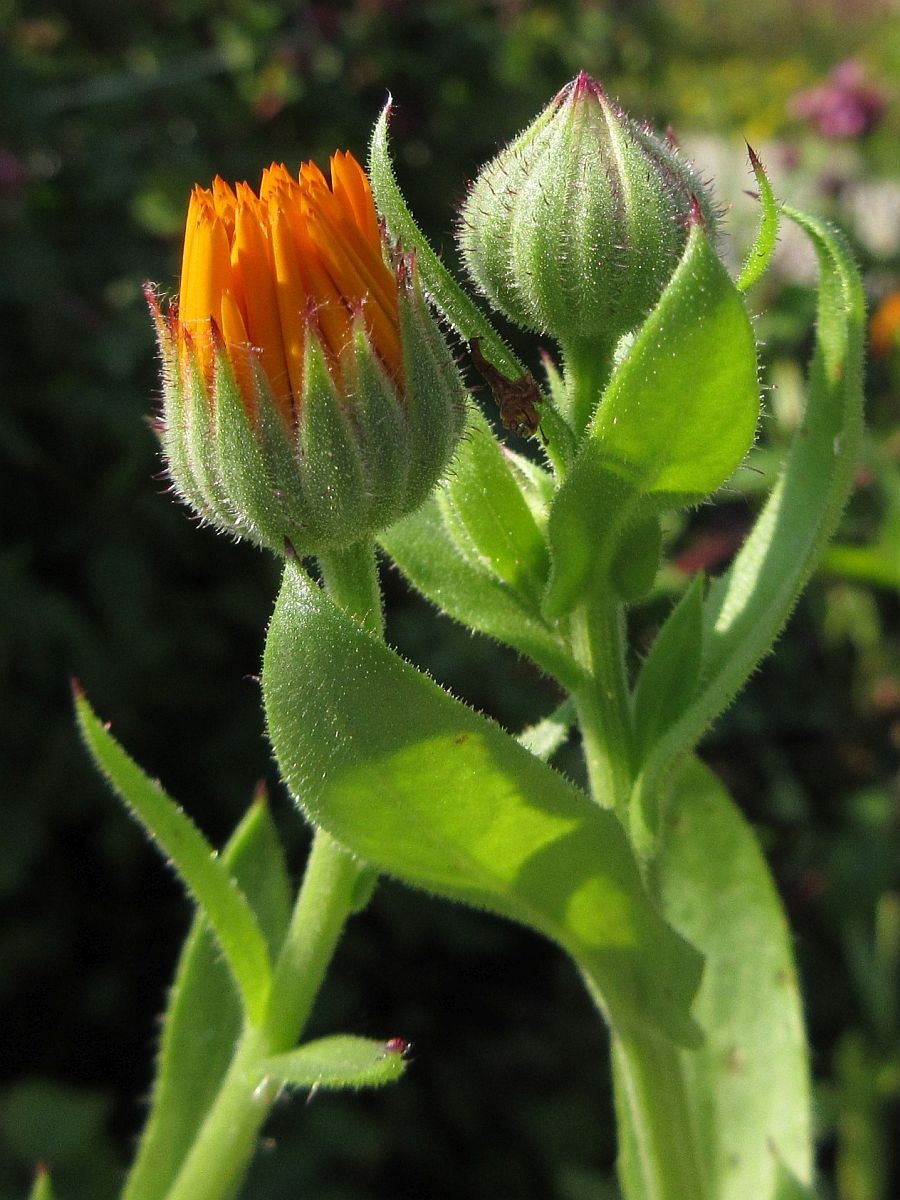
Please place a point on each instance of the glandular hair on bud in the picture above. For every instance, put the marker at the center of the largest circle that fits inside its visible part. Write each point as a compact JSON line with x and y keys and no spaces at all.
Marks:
{"x":575,"y":227}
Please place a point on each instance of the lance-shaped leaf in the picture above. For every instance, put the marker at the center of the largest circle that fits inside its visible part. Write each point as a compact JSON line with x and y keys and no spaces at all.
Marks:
{"x":760,"y":253}
{"x":676,"y":419}
{"x":202,"y":1021}
{"x":669,"y":675}
{"x":340,"y":1061}
{"x":204,"y":875}
{"x":747,"y":1087}
{"x":486,"y":498}
{"x":429,"y":791}
{"x":460,"y":310}
{"x":748,"y":606}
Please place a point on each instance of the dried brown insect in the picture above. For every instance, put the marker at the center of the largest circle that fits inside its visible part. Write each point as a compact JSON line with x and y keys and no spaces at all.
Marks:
{"x":517,"y":399}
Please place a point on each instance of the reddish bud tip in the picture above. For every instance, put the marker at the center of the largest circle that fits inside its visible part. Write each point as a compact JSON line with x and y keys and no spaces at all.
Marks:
{"x":289,"y":552}
{"x":398,"y":1045}
{"x":261,"y":795}
{"x":405,"y":267}
{"x":696,"y":214}
{"x":582,"y":86}
{"x":149,"y":290}
{"x":755,"y":162}
{"x":215,"y":334}
{"x":77,"y":689}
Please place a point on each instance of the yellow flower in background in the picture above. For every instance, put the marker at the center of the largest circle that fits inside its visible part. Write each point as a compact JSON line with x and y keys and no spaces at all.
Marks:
{"x":261,"y":271}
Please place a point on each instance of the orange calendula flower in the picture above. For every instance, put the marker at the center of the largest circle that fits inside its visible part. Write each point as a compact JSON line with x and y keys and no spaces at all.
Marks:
{"x":309,"y":398}
{"x":260,"y":271}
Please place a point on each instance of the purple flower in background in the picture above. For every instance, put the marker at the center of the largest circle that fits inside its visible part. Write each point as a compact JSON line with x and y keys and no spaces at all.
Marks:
{"x":845,"y":106}
{"x":13,"y":172}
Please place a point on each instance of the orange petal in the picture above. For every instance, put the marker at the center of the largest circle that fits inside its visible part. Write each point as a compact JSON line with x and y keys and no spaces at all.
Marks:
{"x":332,"y":316}
{"x":292,"y":300}
{"x":357,"y":281}
{"x":224,"y":201}
{"x":351,"y":187}
{"x":237,"y":346}
{"x":206,"y":278}
{"x":349,"y":241}
{"x":260,"y":299}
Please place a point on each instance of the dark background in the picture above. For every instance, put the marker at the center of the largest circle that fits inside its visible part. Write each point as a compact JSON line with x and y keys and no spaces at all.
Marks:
{"x":110,"y":112}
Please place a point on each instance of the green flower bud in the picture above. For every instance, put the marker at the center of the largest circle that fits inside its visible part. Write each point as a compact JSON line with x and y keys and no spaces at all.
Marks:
{"x":575,"y":228}
{"x":309,"y":397}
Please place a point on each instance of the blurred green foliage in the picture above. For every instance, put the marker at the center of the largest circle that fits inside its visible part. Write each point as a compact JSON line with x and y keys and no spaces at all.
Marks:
{"x":110,"y":112}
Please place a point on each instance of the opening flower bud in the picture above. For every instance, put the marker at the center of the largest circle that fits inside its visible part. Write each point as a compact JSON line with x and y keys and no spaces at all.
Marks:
{"x":308,"y":394}
{"x":575,"y":228}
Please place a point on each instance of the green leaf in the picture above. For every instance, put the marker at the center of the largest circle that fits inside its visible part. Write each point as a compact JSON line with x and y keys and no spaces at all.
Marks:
{"x":427,"y":790}
{"x":341,"y":1061}
{"x":484,"y":493}
{"x":587,"y":529}
{"x":748,"y":606}
{"x":677,"y":417}
{"x":427,"y":553}
{"x":462,"y":313}
{"x":203,"y":1017}
{"x":760,"y":253}
{"x":202,"y":872}
{"x":635,"y":564}
{"x":789,"y":1187}
{"x":537,"y":484}
{"x":681,"y":409}
{"x":546,"y":737}
{"x":42,"y":1189}
{"x":671,"y":671}
{"x":876,"y":565}
{"x":748,"y":1085}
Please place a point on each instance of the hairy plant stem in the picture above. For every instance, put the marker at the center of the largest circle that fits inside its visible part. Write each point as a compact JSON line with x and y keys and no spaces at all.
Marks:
{"x":658,"y":1155}
{"x":215,"y":1166}
{"x":588,"y":368}
{"x":351,"y":579}
{"x":597,"y":636}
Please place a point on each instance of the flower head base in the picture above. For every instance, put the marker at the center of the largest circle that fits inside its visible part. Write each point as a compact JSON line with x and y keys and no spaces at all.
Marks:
{"x":308,"y":395}
{"x":575,"y":228}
